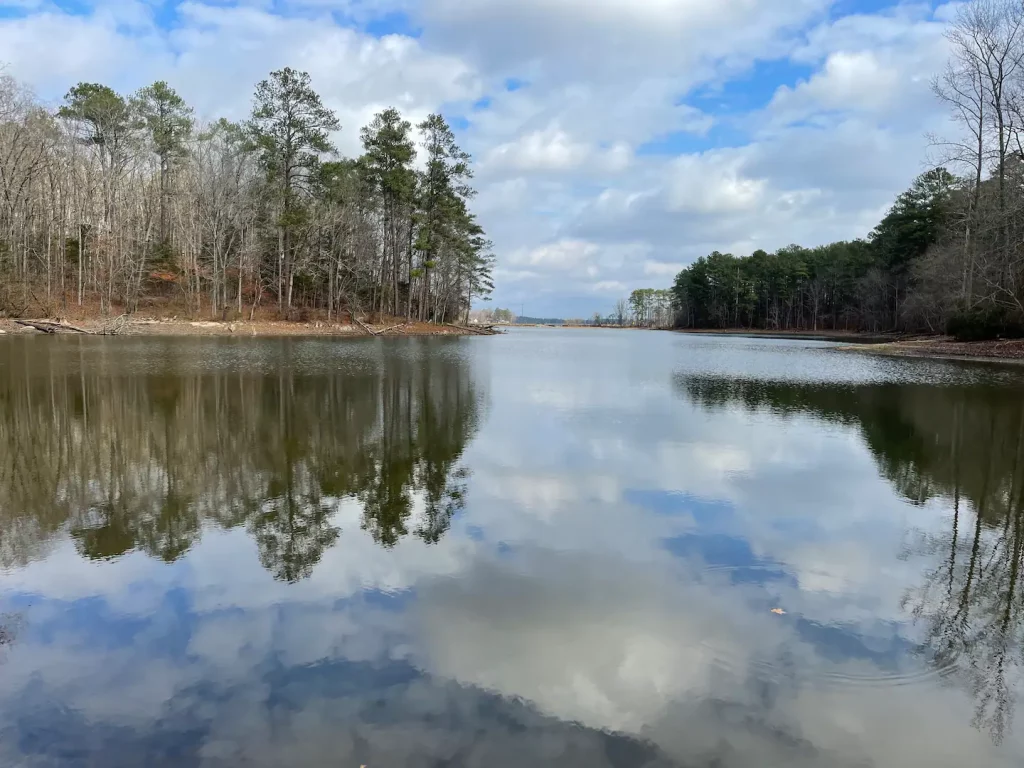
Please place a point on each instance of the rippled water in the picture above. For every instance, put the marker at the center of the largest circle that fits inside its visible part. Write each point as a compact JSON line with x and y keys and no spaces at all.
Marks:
{"x":550,"y":548}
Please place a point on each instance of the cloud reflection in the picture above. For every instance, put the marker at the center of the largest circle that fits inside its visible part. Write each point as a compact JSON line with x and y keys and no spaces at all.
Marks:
{"x":605,"y":598}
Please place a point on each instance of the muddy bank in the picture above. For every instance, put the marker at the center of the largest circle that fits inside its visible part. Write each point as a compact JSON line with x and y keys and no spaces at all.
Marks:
{"x":944,"y":347}
{"x":173,"y":327}
{"x":850,"y":337}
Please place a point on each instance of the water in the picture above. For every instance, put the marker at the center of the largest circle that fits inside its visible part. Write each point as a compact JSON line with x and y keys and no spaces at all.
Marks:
{"x":550,"y":548}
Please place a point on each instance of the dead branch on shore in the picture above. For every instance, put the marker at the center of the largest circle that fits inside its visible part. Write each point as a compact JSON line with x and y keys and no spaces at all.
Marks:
{"x":364,"y":326}
{"x":51,"y":326}
{"x":486,"y":330}
{"x":114,"y":327}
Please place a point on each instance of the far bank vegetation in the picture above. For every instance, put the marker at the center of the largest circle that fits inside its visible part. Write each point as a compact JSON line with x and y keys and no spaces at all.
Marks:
{"x":948,"y":256}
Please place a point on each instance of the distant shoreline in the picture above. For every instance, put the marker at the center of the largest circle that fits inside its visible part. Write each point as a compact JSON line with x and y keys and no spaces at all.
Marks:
{"x":893,"y":345}
{"x":851,"y":337}
{"x":608,"y":327}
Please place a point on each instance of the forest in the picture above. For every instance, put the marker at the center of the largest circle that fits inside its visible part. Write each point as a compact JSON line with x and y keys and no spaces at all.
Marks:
{"x":948,"y":255}
{"x":115,"y":203}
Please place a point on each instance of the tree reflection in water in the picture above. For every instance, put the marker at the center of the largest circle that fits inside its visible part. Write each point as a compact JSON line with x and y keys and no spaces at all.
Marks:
{"x":143,"y":461}
{"x":960,"y":445}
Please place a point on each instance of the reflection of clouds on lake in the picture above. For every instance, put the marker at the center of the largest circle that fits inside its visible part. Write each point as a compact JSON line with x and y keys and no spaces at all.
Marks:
{"x":544,"y":495}
{"x":684,"y":663}
{"x":605,"y":599}
{"x":687,"y":660}
{"x":590,"y":639}
{"x":799,"y":492}
{"x":131,"y":585}
{"x":283,"y":684}
{"x":838,"y":529}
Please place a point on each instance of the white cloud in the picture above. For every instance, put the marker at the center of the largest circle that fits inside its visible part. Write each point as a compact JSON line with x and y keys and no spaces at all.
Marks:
{"x":547,"y":150}
{"x":612,"y":287}
{"x":563,"y":255}
{"x":613,"y":40}
{"x":849,"y":81}
{"x":712,"y":183}
{"x":661,"y":268}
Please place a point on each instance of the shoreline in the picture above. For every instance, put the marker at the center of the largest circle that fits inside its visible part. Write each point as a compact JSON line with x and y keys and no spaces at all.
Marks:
{"x":264,"y":328}
{"x":850,"y":337}
{"x":929,"y":347}
{"x":1006,"y":351}
{"x":892,"y":345}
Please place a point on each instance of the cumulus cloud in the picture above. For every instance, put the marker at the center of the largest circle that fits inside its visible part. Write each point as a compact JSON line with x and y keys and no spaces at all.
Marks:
{"x":551,"y":150}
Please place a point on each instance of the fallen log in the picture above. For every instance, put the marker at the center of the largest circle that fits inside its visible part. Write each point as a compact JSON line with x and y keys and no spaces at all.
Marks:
{"x":50,"y":326}
{"x":364,"y":326}
{"x":391,"y":328}
{"x":477,"y":331}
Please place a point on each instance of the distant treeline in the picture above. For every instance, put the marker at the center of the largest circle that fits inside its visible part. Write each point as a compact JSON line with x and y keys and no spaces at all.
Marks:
{"x":524,"y":320}
{"x":119,"y":202}
{"x":948,"y":256}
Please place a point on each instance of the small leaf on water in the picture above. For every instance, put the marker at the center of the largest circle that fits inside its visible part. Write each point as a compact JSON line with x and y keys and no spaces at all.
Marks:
{"x":779,"y":611}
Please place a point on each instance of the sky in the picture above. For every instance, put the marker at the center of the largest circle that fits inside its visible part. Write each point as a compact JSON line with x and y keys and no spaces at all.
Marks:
{"x":614,"y":141}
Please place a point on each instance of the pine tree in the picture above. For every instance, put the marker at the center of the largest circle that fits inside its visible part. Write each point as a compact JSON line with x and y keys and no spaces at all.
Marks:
{"x":444,"y":184}
{"x":387,"y":166}
{"x":168,"y":120}
{"x":290,"y":127}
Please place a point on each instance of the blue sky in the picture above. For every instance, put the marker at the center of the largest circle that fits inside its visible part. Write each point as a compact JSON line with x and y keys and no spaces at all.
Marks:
{"x":614,"y":142}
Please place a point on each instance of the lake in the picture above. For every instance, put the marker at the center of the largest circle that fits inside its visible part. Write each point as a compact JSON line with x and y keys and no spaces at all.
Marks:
{"x":549,"y":548}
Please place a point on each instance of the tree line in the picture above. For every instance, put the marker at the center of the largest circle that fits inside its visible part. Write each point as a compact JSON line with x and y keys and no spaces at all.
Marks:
{"x":122,"y":202}
{"x":496,"y":315}
{"x":948,"y":255}
{"x":645,"y":308}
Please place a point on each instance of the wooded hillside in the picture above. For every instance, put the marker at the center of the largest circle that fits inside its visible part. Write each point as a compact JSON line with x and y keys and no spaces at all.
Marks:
{"x":121,"y":202}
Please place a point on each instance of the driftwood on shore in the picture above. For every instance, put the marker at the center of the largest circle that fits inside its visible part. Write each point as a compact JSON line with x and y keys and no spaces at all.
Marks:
{"x":112,"y":328}
{"x":483,"y":330}
{"x":51,"y":326}
{"x":364,"y":326}
{"x":397,"y":328}
{"x":129,"y":324}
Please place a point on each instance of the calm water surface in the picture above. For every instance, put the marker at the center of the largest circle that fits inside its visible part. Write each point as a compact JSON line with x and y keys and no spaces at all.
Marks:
{"x":550,"y":548}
